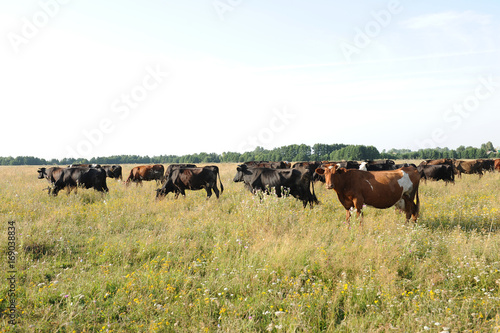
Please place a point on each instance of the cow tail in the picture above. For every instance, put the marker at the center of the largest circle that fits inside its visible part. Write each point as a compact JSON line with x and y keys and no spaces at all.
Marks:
{"x":314,"y":198}
{"x":127,"y":182}
{"x":417,"y":207}
{"x":220,"y":182}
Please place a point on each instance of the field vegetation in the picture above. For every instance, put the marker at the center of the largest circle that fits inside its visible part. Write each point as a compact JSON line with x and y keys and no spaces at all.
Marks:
{"x":124,"y":262}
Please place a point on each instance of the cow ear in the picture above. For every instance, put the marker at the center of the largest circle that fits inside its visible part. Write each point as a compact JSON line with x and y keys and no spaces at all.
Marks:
{"x":320,"y":171}
{"x":340,"y":170}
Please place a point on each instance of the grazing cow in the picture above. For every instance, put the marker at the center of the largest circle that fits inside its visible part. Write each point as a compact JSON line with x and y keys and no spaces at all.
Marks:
{"x":468,"y":167}
{"x":51,"y":174}
{"x":297,"y":183}
{"x":437,"y":172}
{"x":172,"y":166}
{"x":380,"y":189}
{"x":181,"y":179}
{"x":146,"y":172}
{"x":446,"y":161}
{"x":497,"y":164}
{"x":86,"y":177}
{"x":113,"y":171}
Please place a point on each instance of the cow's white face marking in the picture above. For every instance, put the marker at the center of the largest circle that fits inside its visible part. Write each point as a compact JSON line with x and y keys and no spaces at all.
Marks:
{"x":363,"y":166}
{"x":405,"y":182}
{"x":330,"y":167}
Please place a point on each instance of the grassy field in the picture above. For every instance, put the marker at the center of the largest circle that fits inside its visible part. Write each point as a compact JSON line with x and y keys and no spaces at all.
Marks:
{"x":124,"y":262}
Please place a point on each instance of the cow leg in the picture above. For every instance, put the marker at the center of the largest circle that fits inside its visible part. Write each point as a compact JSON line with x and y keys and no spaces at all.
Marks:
{"x":348,"y":217}
{"x":358,"y":204}
{"x":209,"y":192}
{"x":277,"y":189}
{"x":216,"y":191}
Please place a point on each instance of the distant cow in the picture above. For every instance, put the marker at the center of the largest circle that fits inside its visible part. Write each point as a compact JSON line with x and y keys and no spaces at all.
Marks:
{"x":497,"y":164}
{"x":487,"y":164}
{"x":266,"y":164}
{"x":380,"y":189}
{"x":71,"y":178}
{"x":468,"y":167}
{"x":437,"y":172}
{"x":113,"y":171}
{"x":296,"y":182}
{"x":186,"y":178}
{"x":146,"y":172}
{"x":84,"y":166}
{"x":447,"y":161}
{"x":382,"y":165}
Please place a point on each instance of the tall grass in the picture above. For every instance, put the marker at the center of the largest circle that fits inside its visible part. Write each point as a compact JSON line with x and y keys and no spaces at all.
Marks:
{"x":124,"y":262}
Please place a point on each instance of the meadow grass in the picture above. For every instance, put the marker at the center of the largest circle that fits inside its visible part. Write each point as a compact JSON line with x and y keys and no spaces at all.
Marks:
{"x":124,"y":262}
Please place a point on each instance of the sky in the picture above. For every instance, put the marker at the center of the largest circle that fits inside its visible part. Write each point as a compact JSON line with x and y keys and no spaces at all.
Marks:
{"x":163,"y":77}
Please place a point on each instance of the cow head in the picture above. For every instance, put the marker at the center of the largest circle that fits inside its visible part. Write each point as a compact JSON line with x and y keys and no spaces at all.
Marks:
{"x":42,"y":173}
{"x":165,"y":189}
{"x":241,"y":170}
{"x":328,"y":171}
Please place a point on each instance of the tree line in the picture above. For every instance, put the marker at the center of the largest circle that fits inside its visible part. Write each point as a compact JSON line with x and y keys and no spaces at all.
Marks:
{"x":291,"y":153}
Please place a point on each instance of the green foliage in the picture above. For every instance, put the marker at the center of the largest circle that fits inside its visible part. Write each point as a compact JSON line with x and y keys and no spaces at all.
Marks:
{"x":291,"y":153}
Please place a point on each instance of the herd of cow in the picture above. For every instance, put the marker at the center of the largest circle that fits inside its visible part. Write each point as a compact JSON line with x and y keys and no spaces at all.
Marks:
{"x":381,"y":184}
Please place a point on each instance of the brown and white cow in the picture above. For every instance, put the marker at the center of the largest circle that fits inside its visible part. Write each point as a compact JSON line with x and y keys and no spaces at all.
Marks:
{"x":379,"y":189}
{"x":146,"y":172}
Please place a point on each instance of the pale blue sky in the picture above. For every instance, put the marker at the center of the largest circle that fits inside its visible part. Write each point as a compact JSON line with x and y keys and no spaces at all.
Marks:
{"x":88,"y":78}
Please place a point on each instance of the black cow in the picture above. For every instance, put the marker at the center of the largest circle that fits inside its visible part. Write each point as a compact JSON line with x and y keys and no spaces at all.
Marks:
{"x":383,"y":165}
{"x":487,"y":164}
{"x":349,"y":164}
{"x":172,"y":166}
{"x":437,"y":172}
{"x":84,"y":166}
{"x":113,"y":171}
{"x":262,"y":179}
{"x":51,"y":174}
{"x":181,"y":179}
{"x":310,"y":169}
{"x":85,"y":177}
{"x":267,"y":164}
